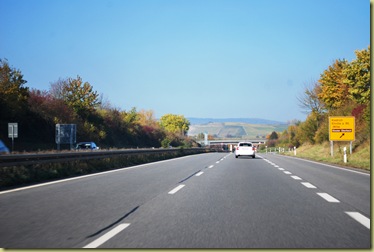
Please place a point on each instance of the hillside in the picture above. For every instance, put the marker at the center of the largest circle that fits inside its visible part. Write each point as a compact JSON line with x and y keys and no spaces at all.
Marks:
{"x":195,"y":120}
{"x":234,"y":129}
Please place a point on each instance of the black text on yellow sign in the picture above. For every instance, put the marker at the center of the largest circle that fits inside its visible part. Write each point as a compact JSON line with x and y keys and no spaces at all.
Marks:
{"x":342,"y":128}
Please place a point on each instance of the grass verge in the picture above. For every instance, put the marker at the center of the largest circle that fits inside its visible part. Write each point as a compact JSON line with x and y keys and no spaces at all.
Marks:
{"x":360,"y":158}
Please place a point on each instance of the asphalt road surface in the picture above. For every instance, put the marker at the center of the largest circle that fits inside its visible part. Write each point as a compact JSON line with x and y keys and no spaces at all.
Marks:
{"x":202,"y":201}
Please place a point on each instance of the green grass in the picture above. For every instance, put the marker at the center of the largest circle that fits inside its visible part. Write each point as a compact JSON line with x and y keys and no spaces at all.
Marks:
{"x":360,"y":158}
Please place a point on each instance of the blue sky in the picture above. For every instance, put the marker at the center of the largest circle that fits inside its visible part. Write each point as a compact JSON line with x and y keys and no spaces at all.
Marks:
{"x":197,"y":58}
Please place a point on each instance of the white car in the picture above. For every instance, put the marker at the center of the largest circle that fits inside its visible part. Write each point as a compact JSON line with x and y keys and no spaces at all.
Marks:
{"x":245,"y":149}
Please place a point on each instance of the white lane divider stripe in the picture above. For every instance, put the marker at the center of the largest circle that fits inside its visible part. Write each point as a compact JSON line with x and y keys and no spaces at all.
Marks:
{"x":328,"y":197}
{"x":296,"y":177}
{"x":199,"y":173}
{"x":96,"y":243}
{"x":176,"y":189}
{"x":287,"y":172}
{"x":308,"y":185}
{"x":281,"y":169}
{"x":360,"y":218}
{"x":211,"y":166}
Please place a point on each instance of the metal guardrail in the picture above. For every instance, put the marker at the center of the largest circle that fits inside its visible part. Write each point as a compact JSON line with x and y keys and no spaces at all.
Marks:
{"x":30,"y":159}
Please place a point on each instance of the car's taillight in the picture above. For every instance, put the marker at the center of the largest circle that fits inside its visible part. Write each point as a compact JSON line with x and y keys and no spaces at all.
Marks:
{"x":253,"y":148}
{"x":237,"y":148}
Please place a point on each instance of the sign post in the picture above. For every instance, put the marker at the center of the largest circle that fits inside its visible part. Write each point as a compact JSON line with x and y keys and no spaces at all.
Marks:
{"x":341,"y":128}
{"x":13,"y":132}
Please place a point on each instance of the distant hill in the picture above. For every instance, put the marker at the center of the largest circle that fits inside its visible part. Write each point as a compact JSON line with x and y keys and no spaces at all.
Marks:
{"x":195,"y":120}
{"x":235,"y":127}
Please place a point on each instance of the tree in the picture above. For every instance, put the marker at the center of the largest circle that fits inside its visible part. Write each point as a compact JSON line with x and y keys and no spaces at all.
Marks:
{"x":78,"y":95}
{"x":49,"y":108}
{"x":307,"y":129}
{"x":293,"y":136}
{"x":13,"y":94}
{"x":56,"y":88}
{"x":147,"y":118}
{"x":309,"y":100}
{"x":273,"y":136}
{"x":334,"y":89}
{"x":358,"y":77}
{"x":175,"y":123}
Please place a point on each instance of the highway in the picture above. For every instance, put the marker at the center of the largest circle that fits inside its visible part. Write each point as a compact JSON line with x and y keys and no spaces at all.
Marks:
{"x":208,"y":200}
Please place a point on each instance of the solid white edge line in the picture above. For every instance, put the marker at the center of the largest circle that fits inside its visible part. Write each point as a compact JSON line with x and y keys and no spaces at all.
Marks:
{"x":308,"y":185}
{"x":360,"y":218}
{"x":107,"y":236}
{"x":328,"y":197}
{"x":176,"y":189}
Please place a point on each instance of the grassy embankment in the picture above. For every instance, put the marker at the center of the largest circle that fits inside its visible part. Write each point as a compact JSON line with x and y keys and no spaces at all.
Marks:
{"x":360,"y":158}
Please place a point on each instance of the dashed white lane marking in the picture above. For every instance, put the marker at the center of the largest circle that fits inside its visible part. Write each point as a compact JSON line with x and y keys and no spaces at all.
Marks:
{"x":354,"y":215}
{"x":296,"y":177}
{"x":96,"y":243}
{"x":199,"y":174}
{"x":360,"y":218}
{"x":211,"y":166}
{"x":176,"y":189}
{"x":328,"y":197}
{"x":308,"y":185}
{"x":217,"y":162}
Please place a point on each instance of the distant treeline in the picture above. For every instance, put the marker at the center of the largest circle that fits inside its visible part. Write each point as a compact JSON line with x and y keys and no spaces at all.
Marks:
{"x":342,"y":90}
{"x":72,"y":101}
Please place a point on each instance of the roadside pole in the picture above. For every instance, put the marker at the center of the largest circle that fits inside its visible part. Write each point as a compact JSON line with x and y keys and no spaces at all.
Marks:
{"x":345,"y":154}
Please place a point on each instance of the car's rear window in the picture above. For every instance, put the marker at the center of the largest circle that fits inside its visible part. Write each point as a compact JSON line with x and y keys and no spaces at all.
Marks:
{"x":245,"y":144}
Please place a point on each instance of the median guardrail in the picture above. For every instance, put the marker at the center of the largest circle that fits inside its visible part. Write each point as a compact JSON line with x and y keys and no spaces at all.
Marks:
{"x":30,"y":159}
{"x":23,"y":169}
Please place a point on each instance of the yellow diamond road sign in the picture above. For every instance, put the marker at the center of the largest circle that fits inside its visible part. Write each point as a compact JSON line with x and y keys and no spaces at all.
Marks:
{"x":342,"y":128}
